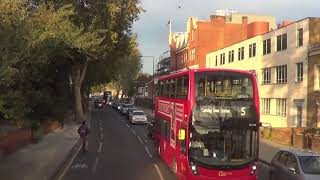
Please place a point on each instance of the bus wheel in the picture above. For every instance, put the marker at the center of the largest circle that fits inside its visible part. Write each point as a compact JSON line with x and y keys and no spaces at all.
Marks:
{"x":174,"y":165}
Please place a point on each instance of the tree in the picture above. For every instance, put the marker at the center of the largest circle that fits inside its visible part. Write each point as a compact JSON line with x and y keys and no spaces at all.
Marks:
{"x":49,"y":46}
{"x":94,"y":31}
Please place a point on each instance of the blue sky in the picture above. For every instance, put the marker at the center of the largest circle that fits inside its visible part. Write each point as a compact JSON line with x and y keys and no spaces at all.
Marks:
{"x":152,"y":26}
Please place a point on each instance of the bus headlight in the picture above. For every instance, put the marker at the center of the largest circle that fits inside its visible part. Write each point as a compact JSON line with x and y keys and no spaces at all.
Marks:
{"x":253,"y":169}
{"x":194,"y":168}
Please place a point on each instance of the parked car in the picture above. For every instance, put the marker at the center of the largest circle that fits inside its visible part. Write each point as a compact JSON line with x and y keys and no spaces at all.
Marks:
{"x":119,"y":106}
{"x":138,"y":117}
{"x":125,"y":107}
{"x":110,"y":102}
{"x":130,"y":110}
{"x":98,"y":103}
{"x":293,"y":164}
{"x":115,"y":105}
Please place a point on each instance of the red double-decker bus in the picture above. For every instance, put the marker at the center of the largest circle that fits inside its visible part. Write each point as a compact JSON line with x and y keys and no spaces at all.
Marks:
{"x":207,"y":124}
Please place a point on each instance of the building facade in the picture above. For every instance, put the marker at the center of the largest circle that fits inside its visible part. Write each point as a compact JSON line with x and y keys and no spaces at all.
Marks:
{"x":286,"y":68}
{"x":188,"y":49}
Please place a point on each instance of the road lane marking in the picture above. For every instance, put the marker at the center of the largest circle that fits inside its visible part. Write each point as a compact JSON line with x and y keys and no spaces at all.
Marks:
{"x":158,"y":171}
{"x":140,"y":140}
{"x":148,"y":152}
{"x":94,"y":168}
{"x":100,"y":146}
{"x":69,"y":163}
{"x":133,"y":131}
{"x":146,"y":136}
{"x":145,"y":141}
{"x":127,"y":126}
{"x":101,"y":136}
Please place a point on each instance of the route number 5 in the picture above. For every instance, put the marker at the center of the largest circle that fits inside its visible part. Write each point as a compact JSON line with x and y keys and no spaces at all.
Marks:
{"x":243,"y":111}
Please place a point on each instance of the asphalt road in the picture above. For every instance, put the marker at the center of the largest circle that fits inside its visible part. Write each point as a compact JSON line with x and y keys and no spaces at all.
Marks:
{"x":117,"y":150}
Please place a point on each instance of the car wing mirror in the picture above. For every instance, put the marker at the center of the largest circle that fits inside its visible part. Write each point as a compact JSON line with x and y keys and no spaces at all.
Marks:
{"x":292,"y":170}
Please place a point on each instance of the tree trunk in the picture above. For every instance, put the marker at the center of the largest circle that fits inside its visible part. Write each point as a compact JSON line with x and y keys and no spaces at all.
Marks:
{"x":78,"y":73}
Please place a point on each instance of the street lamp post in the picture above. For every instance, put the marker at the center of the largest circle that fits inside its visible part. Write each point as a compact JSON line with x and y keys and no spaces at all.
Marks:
{"x":153,"y":80}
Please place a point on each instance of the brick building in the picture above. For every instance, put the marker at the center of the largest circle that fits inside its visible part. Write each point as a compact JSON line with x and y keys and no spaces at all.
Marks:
{"x":188,"y":49}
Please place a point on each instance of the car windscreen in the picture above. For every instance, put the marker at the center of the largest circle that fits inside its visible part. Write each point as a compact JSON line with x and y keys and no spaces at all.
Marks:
{"x":138,"y":113}
{"x":310,"y":164}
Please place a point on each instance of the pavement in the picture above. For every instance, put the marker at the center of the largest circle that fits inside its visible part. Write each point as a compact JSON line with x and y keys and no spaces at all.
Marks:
{"x":116,"y":150}
{"x":40,"y":161}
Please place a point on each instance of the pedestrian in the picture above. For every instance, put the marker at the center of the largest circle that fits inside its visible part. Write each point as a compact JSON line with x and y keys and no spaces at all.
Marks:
{"x":83,"y":131}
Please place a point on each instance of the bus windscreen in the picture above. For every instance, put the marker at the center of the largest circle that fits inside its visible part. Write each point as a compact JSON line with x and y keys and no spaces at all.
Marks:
{"x":223,"y":128}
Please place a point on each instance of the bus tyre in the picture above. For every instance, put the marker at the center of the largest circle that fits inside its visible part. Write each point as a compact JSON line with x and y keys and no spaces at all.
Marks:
{"x":174,"y":165}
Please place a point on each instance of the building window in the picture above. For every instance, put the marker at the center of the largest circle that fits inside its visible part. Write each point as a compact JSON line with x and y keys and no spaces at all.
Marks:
{"x":282,"y":42}
{"x":252,"y":50}
{"x":282,"y":74}
{"x":281,"y":107}
{"x":193,"y":54}
{"x":267,"y":46}
{"x":216,"y":60}
{"x":299,"y":37}
{"x":222,"y":59}
{"x":266,"y":105}
{"x":299,"y":72}
{"x":266,"y":76}
{"x":241,"y":53}
{"x":231,"y":56}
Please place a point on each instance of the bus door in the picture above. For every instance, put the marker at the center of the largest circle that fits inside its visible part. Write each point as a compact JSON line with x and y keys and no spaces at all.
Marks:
{"x":181,"y":128}
{"x":172,"y":126}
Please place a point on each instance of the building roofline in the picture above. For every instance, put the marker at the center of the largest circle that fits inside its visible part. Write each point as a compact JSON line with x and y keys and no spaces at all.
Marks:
{"x":265,"y":33}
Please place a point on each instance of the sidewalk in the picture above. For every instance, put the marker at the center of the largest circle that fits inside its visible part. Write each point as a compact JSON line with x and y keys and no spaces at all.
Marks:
{"x":40,"y":161}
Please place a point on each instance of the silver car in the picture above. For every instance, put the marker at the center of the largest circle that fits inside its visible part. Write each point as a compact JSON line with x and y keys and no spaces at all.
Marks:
{"x":293,"y":164}
{"x":138,"y":117}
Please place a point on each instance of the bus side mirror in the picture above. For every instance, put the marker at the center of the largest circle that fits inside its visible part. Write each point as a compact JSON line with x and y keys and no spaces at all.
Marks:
{"x":182,"y":134}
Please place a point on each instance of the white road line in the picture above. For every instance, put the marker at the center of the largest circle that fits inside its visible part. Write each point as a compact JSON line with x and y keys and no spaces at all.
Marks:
{"x":140,"y":140}
{"x":145,"y":141}
{"x":69,"y":164}
{"x":148,"y":152}
{"x":94,"y":168}
{"x":158,"y":171}
{"x":101,"y":129}
{"x":127,"y":126}
{"x":145,"y":135}
{"x":133,"y":131}
{"x":100,"y":146}
{"x":101,"y":136}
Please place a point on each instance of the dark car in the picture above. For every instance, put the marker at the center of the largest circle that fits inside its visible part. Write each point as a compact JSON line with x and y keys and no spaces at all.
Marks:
{"x":98,"y":103}
{"x":130,"y":110}
{"x":293,"y":164}
{"x":125,"y":107}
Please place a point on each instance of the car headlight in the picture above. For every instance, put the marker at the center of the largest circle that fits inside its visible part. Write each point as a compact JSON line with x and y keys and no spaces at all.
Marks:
{"x":253,"y":169}
{"x":194,"y":168}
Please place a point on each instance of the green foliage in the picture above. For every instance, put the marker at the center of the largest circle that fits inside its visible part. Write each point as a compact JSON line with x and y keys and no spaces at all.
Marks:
{"x":43,"y":40}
